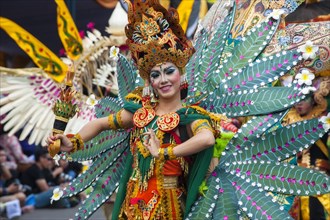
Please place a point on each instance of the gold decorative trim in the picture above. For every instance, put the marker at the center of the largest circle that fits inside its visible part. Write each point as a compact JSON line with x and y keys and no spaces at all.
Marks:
{"x":143,"y":116}
{"x":168,"y":122}
{"x":200,"y":125}
{"x":61,"y":118}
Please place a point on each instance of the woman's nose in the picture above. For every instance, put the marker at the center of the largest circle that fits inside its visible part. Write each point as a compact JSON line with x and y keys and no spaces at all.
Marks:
{"x":163,"y":78}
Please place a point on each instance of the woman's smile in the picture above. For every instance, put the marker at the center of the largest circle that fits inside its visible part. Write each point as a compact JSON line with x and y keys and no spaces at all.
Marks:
{"x":166,"y":88}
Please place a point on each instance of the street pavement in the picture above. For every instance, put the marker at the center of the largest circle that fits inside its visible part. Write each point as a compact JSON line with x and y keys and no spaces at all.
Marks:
{"x":58,"y":214}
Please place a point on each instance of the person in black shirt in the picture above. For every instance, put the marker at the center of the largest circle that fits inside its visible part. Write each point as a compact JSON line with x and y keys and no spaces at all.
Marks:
{"x":37,"y":176}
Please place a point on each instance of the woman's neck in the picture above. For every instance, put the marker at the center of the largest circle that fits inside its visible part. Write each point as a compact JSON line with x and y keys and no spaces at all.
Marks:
{"x":166,"y":106}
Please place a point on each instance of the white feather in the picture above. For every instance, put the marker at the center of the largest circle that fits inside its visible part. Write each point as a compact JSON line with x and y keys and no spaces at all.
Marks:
{"x":16,"y":111}
{"x":6,"y":108}
{"x":25,"y":118}
{"x":31,"y":124}
{"x":12,"y":88}
{"x":11,"y":123}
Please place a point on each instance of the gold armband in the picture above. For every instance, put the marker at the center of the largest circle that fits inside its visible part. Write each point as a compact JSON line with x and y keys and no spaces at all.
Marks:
{"x":114,"y":121}
{"x":77,"y":142}
{"x":201,"y":124}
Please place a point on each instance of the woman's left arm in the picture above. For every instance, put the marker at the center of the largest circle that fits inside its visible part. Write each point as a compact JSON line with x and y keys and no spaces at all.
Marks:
{"x":203,"y":139}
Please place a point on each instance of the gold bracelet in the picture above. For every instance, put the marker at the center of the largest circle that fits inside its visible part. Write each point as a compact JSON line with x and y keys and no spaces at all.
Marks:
{"x":170,"y":153}
{"x":77,"y":142}
{"x":80,"y":142}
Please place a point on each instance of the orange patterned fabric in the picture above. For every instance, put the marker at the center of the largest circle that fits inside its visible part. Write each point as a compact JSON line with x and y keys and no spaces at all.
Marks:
{"x":156,"y":201}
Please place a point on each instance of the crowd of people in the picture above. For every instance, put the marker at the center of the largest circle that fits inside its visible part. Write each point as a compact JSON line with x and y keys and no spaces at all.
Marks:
{"x":28,"y":176}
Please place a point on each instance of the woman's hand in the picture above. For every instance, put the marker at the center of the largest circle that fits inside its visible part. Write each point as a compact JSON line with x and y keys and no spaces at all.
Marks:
{"x":66,"y":144}
{"x":151,"y":142}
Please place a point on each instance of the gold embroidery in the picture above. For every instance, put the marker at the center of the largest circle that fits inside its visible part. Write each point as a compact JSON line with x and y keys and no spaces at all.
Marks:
{"x":135,"y":97}
{"x":143,"y":116}
{"x":142,"y":149}
{"x":172,"y":200}
{"x":168,"y":121}
{"x":170,"y":182}
{"x":147,"y":208}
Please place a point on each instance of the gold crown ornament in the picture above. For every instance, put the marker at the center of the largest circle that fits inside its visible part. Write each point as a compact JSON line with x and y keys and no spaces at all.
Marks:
{"x":155,"y":36}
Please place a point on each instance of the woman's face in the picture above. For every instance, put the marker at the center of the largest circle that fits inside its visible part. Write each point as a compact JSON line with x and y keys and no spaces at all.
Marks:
{"x":165,"y":80}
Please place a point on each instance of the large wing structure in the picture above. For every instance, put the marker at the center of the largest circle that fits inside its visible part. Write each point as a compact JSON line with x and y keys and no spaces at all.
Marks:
{"x":26,"y":103}
{"x":28,"y":95}
{"x":108,"y":150}
{"x":233,"y":76}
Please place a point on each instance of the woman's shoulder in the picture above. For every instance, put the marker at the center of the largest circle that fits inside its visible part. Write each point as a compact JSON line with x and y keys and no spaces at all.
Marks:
{"x":195,"y":112}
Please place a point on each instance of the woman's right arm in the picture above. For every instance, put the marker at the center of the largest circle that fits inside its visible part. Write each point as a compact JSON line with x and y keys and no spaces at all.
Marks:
{"x":92,"y":129}
{"x":95,"y":127}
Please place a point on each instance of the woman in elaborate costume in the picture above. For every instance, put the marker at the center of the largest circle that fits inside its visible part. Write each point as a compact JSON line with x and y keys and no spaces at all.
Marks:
{"x":164,"y":131}
{"x":157,"y":148}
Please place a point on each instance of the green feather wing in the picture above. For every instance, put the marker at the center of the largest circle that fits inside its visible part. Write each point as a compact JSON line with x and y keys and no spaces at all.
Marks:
{"x":105,"y":161}
{"x":261,"y":72}
{"x":103,"y":188}
{"x":250,"y":47}
{"x":255,"y":203}
{"x":254,"y":101}
{"x":252,"y":130}
{"x":107,"y":106}
{"x":282,"y":143}
{"x":126,"y":76}
{"x":205,"y":61}
{"x":282,"y":177}
{"x":216,"y":204}
{"x":105,"y":141}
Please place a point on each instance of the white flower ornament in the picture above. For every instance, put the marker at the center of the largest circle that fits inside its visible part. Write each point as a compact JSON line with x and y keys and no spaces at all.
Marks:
{"x":309,"y":50}
{"x":276,"y":14}
{"x":308,"y":89}
{"x":114,"y":51}
{"x":326,"y":122}
{"x":305,"y":77}
{"x":57,"y":194}
{"x":56,"y":158}
{"x":91,"y":101}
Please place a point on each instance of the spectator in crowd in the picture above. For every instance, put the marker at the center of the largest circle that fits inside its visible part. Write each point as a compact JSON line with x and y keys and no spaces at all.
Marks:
{"x":39,"y":177}
{"x":13,"y":148}
{"x":70,"y":170}
{"x":10,"y":188}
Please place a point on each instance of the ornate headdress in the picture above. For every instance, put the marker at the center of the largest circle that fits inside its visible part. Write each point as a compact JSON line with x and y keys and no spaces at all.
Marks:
{"x":155,"y":36}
